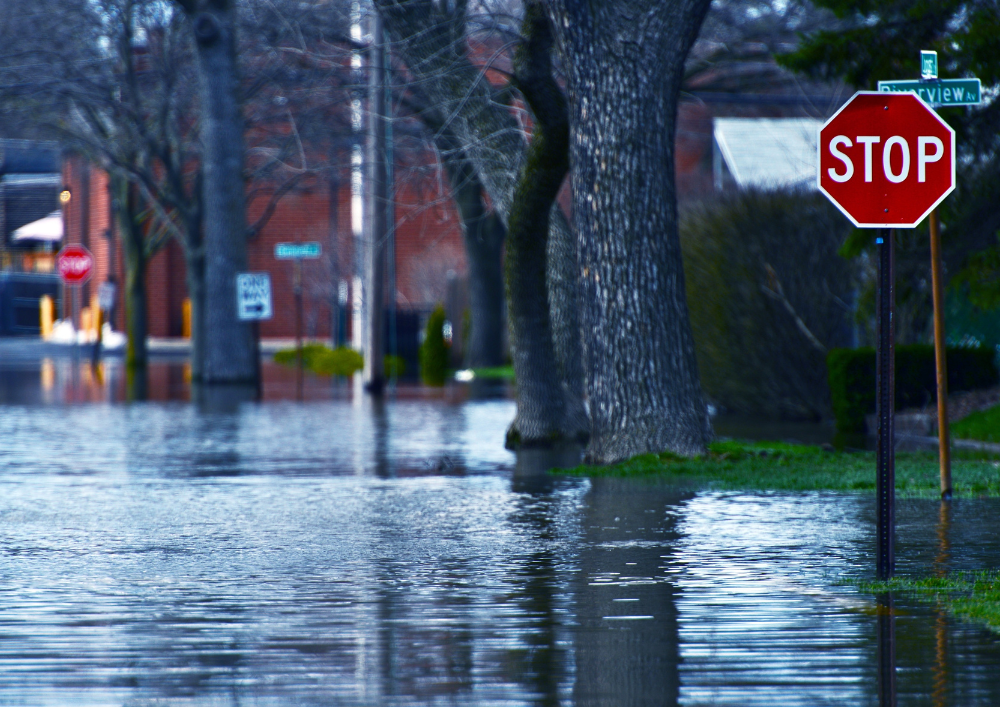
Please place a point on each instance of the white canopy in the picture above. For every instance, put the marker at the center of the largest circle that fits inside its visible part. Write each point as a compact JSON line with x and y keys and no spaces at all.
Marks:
{"x":48,"y":229}
{"x":768,"y":152}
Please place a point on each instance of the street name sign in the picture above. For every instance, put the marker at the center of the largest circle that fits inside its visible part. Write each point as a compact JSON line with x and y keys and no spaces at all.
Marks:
{"x":253,"y":296}
{"x":886,"y":159}
{"x":297,"y":251}
{"x":939,"y":92}
{"x":75,"y":264}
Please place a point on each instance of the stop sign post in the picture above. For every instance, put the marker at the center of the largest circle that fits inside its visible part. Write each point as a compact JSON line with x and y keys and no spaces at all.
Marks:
{"x":886,"y":161}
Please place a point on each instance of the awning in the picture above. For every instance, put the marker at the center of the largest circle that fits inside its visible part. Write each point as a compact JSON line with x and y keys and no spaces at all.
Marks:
{"x":48,"y":229}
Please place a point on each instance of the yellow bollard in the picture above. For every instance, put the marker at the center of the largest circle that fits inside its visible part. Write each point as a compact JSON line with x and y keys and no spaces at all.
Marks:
{"x":95,"y":316}
{"x":186,"y":318}
{"x":47,"y":315}
{"x":85,"y":322}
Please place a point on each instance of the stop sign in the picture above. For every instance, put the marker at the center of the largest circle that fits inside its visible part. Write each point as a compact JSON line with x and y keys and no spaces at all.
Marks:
{"x":75,"y":264}
{"x":886,"y":159}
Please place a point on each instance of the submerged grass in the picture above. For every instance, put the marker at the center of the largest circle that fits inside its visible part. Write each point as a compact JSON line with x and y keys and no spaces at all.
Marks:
{"x":792,"y":467}
{"x":973,"y":596}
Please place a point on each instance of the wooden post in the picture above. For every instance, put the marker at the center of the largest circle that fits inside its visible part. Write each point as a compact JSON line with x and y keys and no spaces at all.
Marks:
{"x":940,"y":358}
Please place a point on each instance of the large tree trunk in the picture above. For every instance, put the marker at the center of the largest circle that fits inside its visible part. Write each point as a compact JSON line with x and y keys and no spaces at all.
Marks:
{"x":430,"y":37}
{"x":484,"y":236}
{"x":625,"y":60}
{"x":134,"y":255}
{"x":540,"y":397}
{"x":230,"y":352}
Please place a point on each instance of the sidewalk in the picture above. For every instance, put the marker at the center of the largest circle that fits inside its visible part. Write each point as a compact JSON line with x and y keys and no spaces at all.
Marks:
{"x":29,"y":348}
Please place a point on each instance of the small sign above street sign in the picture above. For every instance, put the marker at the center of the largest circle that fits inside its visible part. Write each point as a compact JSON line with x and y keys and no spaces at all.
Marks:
{"x":253,"y":296}
{"x":886,"y":159}
{"x":928,"y":64}
{"x":940,"y":92}
{"x":75,"y":264}
{"x":297,"y":251}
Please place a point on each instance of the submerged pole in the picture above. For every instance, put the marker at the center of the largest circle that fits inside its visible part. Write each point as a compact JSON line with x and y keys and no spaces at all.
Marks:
{"x":885,"y":452}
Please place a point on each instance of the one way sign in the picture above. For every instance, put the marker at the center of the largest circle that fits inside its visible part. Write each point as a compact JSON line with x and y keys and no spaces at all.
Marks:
{"x":253,"y":296}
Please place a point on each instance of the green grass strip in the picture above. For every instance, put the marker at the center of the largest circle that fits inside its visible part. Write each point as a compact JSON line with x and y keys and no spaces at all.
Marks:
{"x":972,"y":596}
{"x":779,"y":466}
{"x":983,"y":426}
{"x":502,"y":372}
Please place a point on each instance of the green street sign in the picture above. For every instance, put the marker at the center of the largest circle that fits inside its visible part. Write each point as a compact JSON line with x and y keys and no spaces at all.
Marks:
{"x":297,"y":251}
{"x":941,"y":92}
{"x":928,"y":65}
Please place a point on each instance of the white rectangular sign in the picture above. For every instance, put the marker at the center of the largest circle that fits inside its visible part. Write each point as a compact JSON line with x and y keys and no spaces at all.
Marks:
{"x":253,"y":296}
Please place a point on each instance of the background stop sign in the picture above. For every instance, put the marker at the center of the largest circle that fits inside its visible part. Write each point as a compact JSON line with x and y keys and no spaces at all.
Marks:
{"x":75,"y":264}
{"x":886,"y":159}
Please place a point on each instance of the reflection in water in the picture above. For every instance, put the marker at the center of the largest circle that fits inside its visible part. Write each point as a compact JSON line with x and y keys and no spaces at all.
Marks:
{"x":939,"y":692}
{"x":136,"y":383}
{"x":938,"y":696}
{"x":223,"y":398}
{"x":627,"y":639}
{"x":886,"y":651}
{"x":341,"y":551}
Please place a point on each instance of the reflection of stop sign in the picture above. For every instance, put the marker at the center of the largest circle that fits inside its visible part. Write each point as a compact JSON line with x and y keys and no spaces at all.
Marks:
{"x":75,"y":264}
{"x":886,"y":159}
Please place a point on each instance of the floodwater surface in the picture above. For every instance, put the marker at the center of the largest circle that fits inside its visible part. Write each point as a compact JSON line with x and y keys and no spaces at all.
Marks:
{"x":338,"y":552}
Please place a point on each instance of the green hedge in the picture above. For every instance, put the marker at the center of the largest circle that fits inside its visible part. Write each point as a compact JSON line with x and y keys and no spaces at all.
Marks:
{"x":740,"y":252}
{"x":852,"y":379}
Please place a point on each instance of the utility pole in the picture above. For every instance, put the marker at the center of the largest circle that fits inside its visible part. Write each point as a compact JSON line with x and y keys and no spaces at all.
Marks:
{"x":390,"y":209}
{"x":376,"y":190}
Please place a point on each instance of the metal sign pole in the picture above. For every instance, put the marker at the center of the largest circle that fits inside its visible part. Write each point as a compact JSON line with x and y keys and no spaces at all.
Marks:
{"x":885,"y":393}
{"x":297,"y":288}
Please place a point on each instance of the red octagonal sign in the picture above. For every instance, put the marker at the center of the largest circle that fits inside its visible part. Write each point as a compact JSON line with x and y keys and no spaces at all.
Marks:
{"x":886,"y":159}
{"x":75,"y":264}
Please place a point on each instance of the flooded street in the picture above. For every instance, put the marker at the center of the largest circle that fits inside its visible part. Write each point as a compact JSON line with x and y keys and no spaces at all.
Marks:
{"x":337,"y":552}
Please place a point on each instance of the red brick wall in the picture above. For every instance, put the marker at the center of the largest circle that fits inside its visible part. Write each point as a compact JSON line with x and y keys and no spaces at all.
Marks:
{"x":428,"y":245}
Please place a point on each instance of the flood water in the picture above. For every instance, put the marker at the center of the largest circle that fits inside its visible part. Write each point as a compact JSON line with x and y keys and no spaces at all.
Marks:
{"x":337,"y":552}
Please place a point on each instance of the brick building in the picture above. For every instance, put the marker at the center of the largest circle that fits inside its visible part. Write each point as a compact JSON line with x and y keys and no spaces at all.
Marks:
{"x":428,"y":247}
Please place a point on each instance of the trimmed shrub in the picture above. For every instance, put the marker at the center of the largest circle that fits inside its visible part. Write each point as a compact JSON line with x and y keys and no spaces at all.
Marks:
{"x":341,"y":361}
{"x":434,"y":352}
{"x":852,"y":379}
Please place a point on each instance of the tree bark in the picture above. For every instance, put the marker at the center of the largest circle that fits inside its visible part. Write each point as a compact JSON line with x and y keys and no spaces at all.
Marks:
{"x":483,"y":233}
{"x":230,"y":352}
{"x":541,"y":401}
{"x":135,"y":257}
{"x":625,"y":61}
{"x":431,"y":39}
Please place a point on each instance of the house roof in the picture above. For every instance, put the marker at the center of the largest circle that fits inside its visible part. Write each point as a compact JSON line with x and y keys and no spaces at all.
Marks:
{"x":769,"y":152}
